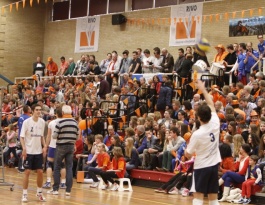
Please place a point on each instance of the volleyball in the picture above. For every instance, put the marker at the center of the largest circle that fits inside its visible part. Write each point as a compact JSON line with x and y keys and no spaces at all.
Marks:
{"x":203,"y":45}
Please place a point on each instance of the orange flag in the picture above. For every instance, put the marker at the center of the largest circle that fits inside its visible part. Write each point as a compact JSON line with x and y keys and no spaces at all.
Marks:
{"x":226,"y":16}
{"x":179,"y":92}
{"x":199,"y":92}
{"x":17,"y":3}
{"x":31,"y":1}
{"x":125,"y":101}
{"x":182,"y":81}
{"x":204,"y":19}
{"x":123,"y":118}
{"x":25,"y":82}
{"x":243,"y":13}
{"x":121,"y":125}
{"x":251,"y":12}
{"x":234,"y":14}
{"x":211,"y":18}
{"x":135,"y":92}
{"x":24,"y":2}
{"x":148,"y":103}
{"x":110,"y":121}
{"x":38,"y":1}
{"x":260,"y":11}
{"x":138,"y":112}
{"x":217,"y":17}
{"x":192,"y":85}
{"x":35,"y":77}
{"x":3,"y":10}
{"x":95,"y":120}
{"x":10,"y":7}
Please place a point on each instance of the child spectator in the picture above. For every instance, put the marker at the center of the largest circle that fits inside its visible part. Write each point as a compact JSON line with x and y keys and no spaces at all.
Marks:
{"x":103,"y":164}
{"x":253,"y":178}
{"x":131,"y":155}
{"x":118,"y":171}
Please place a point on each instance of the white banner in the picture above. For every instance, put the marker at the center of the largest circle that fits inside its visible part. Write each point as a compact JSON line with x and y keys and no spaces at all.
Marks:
{"x":87,"y":34}
{"x":186,"y":24}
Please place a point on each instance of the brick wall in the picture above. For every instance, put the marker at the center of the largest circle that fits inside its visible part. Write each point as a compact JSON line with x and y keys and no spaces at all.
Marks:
{"x":28,"y":33}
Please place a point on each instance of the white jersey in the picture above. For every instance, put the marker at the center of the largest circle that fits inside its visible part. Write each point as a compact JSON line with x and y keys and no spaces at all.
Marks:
{"x":205,"y":143}
{"x":32,"y":132}
{"x":51,"y":126}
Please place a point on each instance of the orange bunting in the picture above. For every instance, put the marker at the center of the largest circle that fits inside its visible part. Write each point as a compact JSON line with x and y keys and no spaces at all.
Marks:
{"x":31,"y":2}
{"x":169,"y":20}
{"x":121,"y":125}
{"x":234,"y":14}
{"x":153,"y":21}
{"x":175,"y":20}
{"x":125,"y":101}
{"x":158,"y":21}
{"x":25,"y":82}
{"x":198,"y":18}
{"x":38,"y":1}
{"x":10,"y":7}
{"x":242,"y":14}
{"x":217,"y":17}
{"x":226,"y":16}
{"x":110,"y":121}
{"x":260,"y":11}
{"x":123,"y":118}
{"x":192,"y":85}
{"x":148,"y":103}
{"x":179,"y":92}
{"x":3,"y":10}
{"x":195,"y":75}
{"x":24,"y":2}
{"x":138,"y":112}
{"x":17,"y":3}
{"x":251,"y":12}
{"x":204,"y":18}
{"x":211,"y":18}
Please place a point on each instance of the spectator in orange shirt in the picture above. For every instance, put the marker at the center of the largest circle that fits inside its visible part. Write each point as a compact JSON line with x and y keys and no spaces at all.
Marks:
{"x":103,"y":161}
{"x":221,"y":53}
{"x":214,"y":93}
{"x":52,"y":67}
{"x":64,"y":66}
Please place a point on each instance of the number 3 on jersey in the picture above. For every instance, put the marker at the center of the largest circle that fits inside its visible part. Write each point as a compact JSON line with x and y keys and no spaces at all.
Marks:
{"x":212,"y":137}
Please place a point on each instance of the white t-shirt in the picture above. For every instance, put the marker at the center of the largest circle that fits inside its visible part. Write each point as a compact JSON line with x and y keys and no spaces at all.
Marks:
{"x":205,"y":143}
{"x":51,"y":126}
{"x":32,"y":132}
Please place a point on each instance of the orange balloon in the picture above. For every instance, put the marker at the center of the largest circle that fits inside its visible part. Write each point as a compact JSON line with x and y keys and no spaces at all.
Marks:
{"x":82,"y":124}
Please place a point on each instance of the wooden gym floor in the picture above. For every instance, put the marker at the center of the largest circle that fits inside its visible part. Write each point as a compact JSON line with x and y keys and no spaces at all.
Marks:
{"x":82,"y":194}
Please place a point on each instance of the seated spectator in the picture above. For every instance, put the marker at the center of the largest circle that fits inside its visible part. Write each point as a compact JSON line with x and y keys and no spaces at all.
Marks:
{"x":253,"y":141}
{"x":140,"y":139}
{"x":236,"y":177}
{"x":238,"y":142}
{"x":131,"y":155}
{"x":118,"y":170}
{"x":107,"y":139}
{"x":103,"y":164}
{"x":115,"y":142}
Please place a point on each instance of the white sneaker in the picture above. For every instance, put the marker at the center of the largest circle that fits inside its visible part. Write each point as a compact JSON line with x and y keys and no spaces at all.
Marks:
{"x":185,"y":192}
{"x":52,"y":192}
{"x":174,"y":191}
{"x":94,"y":185}
{"x":67,"y":193}
{"x":24,"y":198}
{"x":115,"y":187}
{"x":104,"y":187}
{"x":41,"y":197}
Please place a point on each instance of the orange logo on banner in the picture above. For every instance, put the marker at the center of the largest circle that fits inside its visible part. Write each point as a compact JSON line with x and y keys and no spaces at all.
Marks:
{"x":84,"y":41}
{"x":181,"y":31}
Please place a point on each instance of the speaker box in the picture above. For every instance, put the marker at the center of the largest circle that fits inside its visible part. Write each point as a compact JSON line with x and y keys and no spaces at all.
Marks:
{"x":118,"y":19}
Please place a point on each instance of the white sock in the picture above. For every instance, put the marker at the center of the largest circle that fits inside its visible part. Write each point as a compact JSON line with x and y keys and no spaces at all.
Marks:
{"x":63,"y":181}
{"x":49,"y":179}
{"x":197,"y":202}
{"x":39,"y":190}
{"x":25,"y":191}
{"x":214,"y":202}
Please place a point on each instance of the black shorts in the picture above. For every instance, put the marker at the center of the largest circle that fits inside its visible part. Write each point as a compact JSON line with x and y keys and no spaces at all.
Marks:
{"x":33,"y":161}
{"x":205,"y":180}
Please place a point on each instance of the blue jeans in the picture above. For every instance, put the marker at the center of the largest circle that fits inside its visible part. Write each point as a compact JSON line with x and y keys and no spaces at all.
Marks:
{"x":232,"y":177}
{"x":63,"y":152}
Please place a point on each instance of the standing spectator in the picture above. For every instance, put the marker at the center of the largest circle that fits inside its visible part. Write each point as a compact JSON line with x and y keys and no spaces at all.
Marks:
{"x":32,"y":140}
{"x":164,"y":97}
{"x":179,"y":61}
{"x":39,"y":67}
{"x":147,"y":61}
{"x":113,"y":69}
{"x":251,"y":58}
{"x":261,"y":46}
{"x":64,"y":66}
{"x":71,"y":67}
{"x":135,"y":66}
{"x":168,"y":61}
{"x":105,"y":63}
{"x":229,"y":62}
{"x":157,"y":65}
{"x":104,"y":87}
{"x":52,"y":67}
{"x":66,"y":132}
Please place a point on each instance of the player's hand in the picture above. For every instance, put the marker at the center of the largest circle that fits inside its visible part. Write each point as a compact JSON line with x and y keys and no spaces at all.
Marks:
{"x":44,"y":151}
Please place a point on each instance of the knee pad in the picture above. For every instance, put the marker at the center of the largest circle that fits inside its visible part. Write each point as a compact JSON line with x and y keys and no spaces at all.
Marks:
{"x":49,"y":165}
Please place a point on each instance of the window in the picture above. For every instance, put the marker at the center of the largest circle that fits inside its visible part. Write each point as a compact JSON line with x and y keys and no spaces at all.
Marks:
{"x":140,"y":4}
{"x":160,"y":3}
{"x":116,"y":6}
{"x":78,"y":8}
{"x":60,"y":10}
{"x":97,"y":7}
{"x":189,"y":1}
